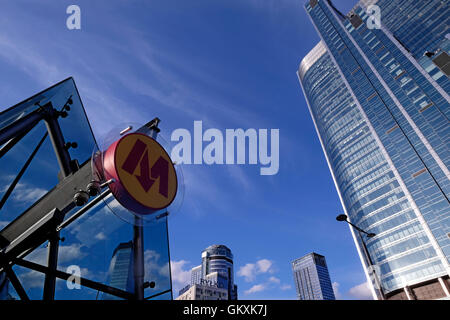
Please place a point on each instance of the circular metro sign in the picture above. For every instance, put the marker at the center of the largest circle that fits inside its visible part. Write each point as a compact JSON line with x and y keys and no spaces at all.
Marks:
{"x":145,"y":177}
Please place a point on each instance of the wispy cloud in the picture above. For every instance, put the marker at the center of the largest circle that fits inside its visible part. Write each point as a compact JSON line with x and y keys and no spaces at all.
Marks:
{"x":250,"y":270}
{"x":274,"y":280}
{"x":66,"y":255}
{"x":156,"y":270}
{"x":25,"y":192}
{"x":337,"y":294}
{"x":285,"y":287}
{"x":256,"y":288}
{"x":181,"y":276}
{"x":361,"y":292}
{"x":263,"y":272}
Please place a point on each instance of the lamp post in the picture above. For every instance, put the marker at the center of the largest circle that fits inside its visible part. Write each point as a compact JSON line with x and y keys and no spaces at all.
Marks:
{"x":343,"y":218}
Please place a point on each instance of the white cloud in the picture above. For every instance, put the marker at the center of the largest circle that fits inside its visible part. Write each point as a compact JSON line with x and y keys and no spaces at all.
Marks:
{"x":181,"y":277}
{"x":70,"y":253}
{"x":264,"y":265}
{"x":285,"y":287}
{"x":100,"y":223}
{"x":35,"y":279}
{"x":250,"y":270}
{"x":256,"y":288}
{"x":24,"y":192}
{"x":361,"y":292}
{"x":156,"y":270}
{"x":32,"y":279}
{"x":100,"y":236}
{"x":337,"y":294}
{"x":274,"y":280}
{"x":66,"y":254}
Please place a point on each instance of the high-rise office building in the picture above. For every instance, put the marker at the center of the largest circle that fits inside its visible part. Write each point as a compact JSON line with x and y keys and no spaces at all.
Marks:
{"x":120,"y":274}
{"x":216,"y":271}
{"x":382,"y":121}
{"x":421,"y":28}
{"x":196,"y":275}
{"x":312,"y":280}
{"x":218,"y":258}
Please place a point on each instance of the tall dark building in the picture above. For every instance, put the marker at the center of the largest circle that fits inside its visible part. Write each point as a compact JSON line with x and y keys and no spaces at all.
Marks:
{"x":312,"y":279}
{"x":380,"y":104}
{"x":120,"y":274}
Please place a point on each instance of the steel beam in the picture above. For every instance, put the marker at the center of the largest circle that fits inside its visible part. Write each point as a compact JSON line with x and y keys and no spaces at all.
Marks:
{"x":84,"y":282}
{"x":21,"y":126}
{"x":16,"y":283}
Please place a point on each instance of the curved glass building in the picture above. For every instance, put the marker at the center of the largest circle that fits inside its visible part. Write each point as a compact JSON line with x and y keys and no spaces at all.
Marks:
{"x":383,"y":124}
{"x":218,"y":258}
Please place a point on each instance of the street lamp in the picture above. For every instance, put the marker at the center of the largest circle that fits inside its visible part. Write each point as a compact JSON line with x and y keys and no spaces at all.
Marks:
{"x":343,"y":218}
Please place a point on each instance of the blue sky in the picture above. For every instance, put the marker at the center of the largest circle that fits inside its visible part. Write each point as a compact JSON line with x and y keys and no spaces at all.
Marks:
{"x":228,"y":63}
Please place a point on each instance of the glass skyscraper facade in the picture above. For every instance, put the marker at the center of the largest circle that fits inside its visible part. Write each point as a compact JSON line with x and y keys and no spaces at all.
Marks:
{"x":420,"y":27}
{"x":121,"y":270}
{"x":312,"y":280}
{"x":382,"y":120}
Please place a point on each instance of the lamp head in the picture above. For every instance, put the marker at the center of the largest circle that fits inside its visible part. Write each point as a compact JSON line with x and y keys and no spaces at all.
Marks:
{"x":341,"y":217}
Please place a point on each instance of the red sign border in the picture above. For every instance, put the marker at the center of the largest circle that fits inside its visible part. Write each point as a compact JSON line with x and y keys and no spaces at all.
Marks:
{"x":119,"y":191}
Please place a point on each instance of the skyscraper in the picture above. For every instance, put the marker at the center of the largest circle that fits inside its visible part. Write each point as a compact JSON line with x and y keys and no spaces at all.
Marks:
{"x":382,"y":121}
{"x":312,"y":279}
{"x":216,"y":271}
{"x":218,"y":258}
{"x":421,"y":28}
{"x":196,"y":275}
{"x":120,"y":274}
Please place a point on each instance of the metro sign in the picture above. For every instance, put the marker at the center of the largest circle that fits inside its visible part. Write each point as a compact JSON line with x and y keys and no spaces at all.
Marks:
{"x":144,"y":176}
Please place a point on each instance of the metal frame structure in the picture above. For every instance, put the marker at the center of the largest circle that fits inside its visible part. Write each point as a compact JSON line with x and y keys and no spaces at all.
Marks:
{"x":44,"y":220}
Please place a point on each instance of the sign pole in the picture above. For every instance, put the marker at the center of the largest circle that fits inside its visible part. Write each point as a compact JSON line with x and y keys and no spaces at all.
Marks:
{"x":138,"y":240}
{"x":138,"y":258}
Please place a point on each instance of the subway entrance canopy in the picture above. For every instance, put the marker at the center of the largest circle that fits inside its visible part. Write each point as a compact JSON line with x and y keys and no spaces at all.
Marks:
{"x":59,"y":235}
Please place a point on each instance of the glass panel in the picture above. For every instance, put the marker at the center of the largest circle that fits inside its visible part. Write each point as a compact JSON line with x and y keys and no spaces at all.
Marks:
{"x":38,"y":179}
{"x":42,"y":174}
{"x":64,"y":292}
{"x":32,"y":281}
{"x":100,"y":245}
{"x":75,"y":126}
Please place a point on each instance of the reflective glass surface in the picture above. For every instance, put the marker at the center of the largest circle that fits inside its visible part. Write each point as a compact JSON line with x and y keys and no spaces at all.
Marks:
{"x":42,"y":173}
{"x":388,"y":149}
{"x":311,"y":277}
